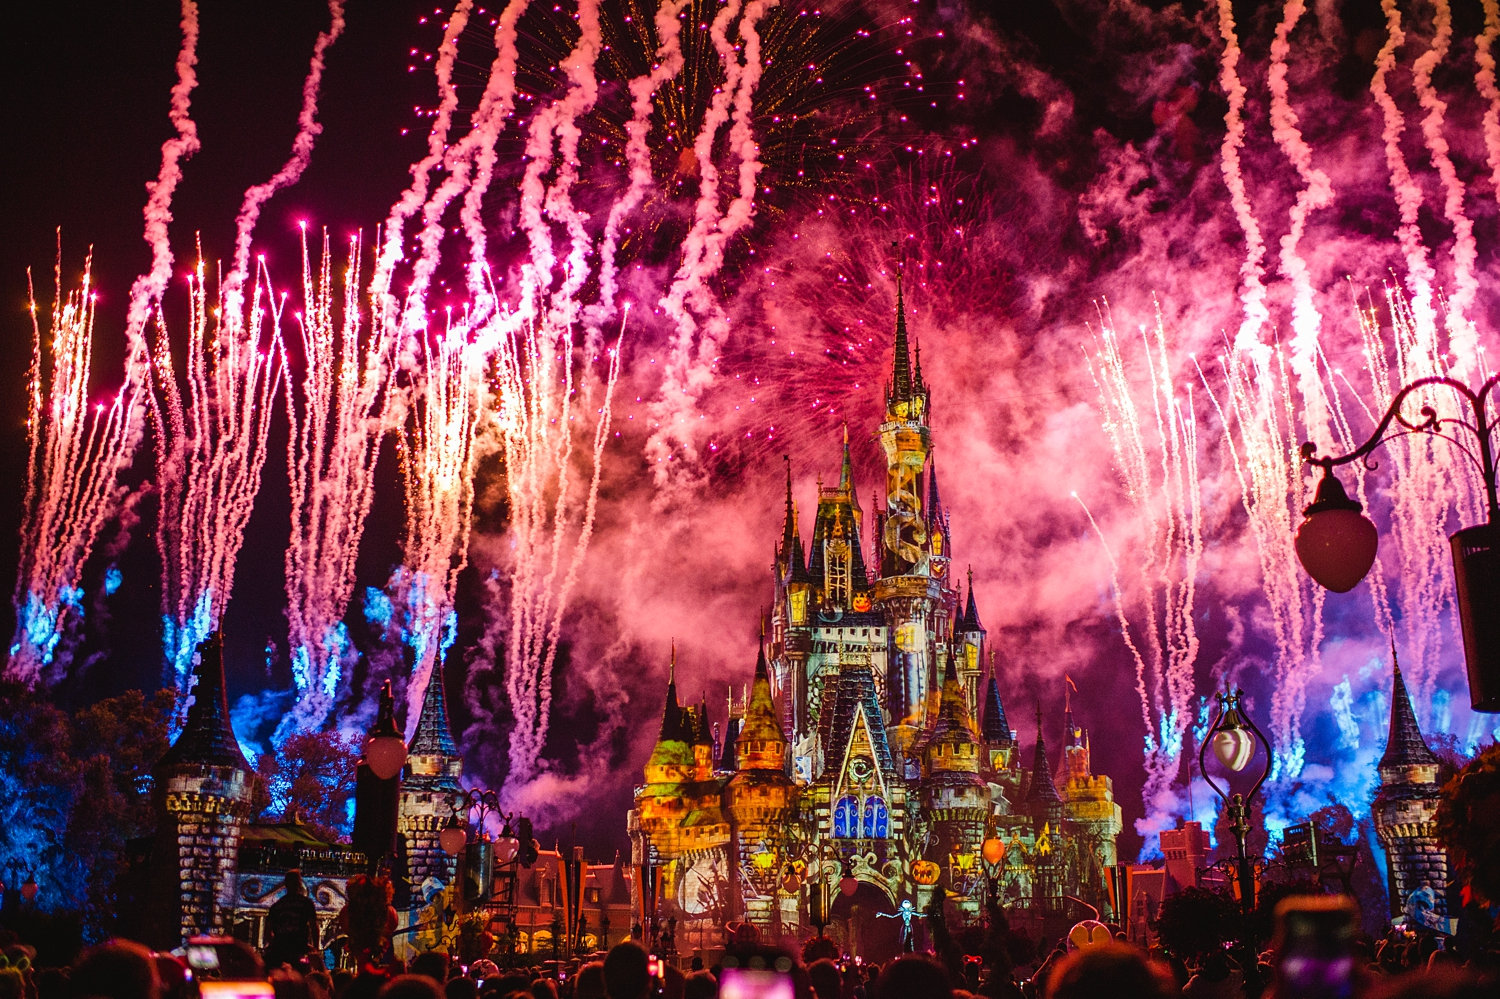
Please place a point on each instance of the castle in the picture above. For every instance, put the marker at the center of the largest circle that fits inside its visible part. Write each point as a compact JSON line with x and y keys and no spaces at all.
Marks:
{"x":873,"y":761}
{"x":214,"y":872}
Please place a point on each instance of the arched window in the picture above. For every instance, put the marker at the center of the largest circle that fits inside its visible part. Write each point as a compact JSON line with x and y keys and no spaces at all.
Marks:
{"x":877,"y":819}
{"x":846,"y":817}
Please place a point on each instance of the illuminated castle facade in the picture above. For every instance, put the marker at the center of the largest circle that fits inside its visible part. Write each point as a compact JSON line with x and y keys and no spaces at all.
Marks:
{"x":874,"y":745}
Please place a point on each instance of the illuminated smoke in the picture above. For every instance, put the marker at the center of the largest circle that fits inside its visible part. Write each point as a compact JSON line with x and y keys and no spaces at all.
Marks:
{"x":698,"y":317}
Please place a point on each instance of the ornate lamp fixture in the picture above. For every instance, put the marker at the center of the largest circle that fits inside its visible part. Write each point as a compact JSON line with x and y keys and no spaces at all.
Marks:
{"x":1336,"y":542}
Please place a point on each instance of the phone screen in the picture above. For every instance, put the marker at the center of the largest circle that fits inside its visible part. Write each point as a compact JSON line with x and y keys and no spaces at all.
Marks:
{"x":235,"y":990}
{"x":1316,"y":955}
{"x":748,"y":983}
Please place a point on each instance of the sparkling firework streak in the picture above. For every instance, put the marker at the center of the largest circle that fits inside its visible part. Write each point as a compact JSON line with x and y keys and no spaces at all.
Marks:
{"x":211,"y":423}
{"x":1162,"y":483}
{"x":338,"y":412}
{"x":76,"y":455}
{"x":438,"y":453}
{"x":535,"y":386}
{"x":210,"y":427}
{"x":697,"y":314}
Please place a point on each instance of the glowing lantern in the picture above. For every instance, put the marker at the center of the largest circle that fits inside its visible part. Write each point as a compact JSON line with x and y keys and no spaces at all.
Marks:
{"x":1336,"y":542}
{"x":1234,"y":747}
{"x":506,"y":848}
{"x":993,"y":851}
{"x":925,"y":872}
{"x":452,"y":838}
{"x":385,"y":751}
{"x":848,"y":885}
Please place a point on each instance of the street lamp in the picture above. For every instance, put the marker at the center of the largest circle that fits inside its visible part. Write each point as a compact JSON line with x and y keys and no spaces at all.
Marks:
{"x":483,"y":853}
{"x":385,"y":750}
{"x":1336,"y":542}
{"x":1233,"y":737}
{"x":992,"y":852}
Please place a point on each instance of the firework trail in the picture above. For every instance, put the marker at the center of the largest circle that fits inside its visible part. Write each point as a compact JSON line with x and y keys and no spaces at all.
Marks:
{"x":537,"y":445}
{"x":1252,"y":270}
{"x":337,"y":413}
{"x":1261,"y":439}
{"x":211,"y":421}
{"x":669,"y":62}
{"x":1463,"y":337}
{"x":1419,"y":273}
{"x":146,"y":293}
{"x":1484,"y":80}
{"x":1260,"y":410}
{"x":210,"y":428}
{"x":695,"y":344}
{"x":76,"y":455}
{"x":308,"y":130}
{"x":1316,"y":193}
{"x":1162,"y":483}
{"x":439,"y":449}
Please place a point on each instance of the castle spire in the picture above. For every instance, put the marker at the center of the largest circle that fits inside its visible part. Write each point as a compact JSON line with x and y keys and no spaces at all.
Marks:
{"x":1043,"y":792}
{"x":672,"y":729}
{"x":789,"y":534}
{"x":1405,"y":746}
{"x":846,"y":470}
{"x":206,"y":737}
{"x":901,"y":362}
{"x":993,"y":724}
{"x":434,"y":736}
{"x":971,"y":610}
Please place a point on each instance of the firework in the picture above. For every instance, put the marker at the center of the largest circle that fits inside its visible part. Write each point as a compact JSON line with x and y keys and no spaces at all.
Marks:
{"x":76,"y":455}
{"x":1156,"y":454}
{"x":337,"y":412}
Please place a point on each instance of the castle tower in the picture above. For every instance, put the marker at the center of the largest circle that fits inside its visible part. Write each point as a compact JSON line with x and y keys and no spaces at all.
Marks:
{"x":970,"y":634}
{"x":954,"y":797}
{"x":908,"y":593}
{"x":1092,"y":819}
{"x":203,"y":789}
{"x":429,"y":788}
{"x":760,"y":797}
{"x":994,"y":728}
{"x":1405,"y":807}
{"x":1045,"y":806}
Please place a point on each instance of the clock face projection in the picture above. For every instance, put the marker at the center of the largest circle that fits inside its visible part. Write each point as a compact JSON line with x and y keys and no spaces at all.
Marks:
{"x":860,"y":768}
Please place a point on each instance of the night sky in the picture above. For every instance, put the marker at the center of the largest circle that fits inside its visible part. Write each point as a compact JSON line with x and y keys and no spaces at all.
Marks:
{"x":1045,"y":168}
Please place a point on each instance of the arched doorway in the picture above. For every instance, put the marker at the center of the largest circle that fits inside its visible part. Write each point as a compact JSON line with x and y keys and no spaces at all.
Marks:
{"x":856,"y":924}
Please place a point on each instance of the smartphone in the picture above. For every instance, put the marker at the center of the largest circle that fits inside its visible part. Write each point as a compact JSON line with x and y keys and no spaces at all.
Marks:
{"x":653,"y":968}
{"x":1315,"y":948}
{"x":235,"y":990}
{"x":755,"y":983}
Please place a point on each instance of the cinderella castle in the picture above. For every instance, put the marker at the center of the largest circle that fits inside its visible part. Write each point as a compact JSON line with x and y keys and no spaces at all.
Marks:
{"x":873,"y":762}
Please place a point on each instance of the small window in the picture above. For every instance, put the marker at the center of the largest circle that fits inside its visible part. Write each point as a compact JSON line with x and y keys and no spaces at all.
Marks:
{"x":846,"y":817}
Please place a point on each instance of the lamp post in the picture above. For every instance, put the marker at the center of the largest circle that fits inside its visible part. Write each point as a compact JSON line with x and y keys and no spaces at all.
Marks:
{"x":479,"y":857}
{"x":377,"y":785}
{"x":1233,"y":738}
{"x":1336,"y":542}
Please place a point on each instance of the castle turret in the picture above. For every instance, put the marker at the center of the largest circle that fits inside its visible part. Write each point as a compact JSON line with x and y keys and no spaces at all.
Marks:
{"x":203,"y":791}
{"x":1045,"y":806}
{"x":1405,"y":808}
{"x":761,"y":798}
{"x":429,"y":787}
{"x":1091,"y":817}
{"x":954,"y":797}
{"x":994,"y":728}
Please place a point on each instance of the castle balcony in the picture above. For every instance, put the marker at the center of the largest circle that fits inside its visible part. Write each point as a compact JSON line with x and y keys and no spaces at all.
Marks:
{"x":908,"y":589}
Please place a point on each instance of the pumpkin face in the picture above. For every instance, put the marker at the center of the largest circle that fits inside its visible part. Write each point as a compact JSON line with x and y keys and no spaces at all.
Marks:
{"x":925,"y":872}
